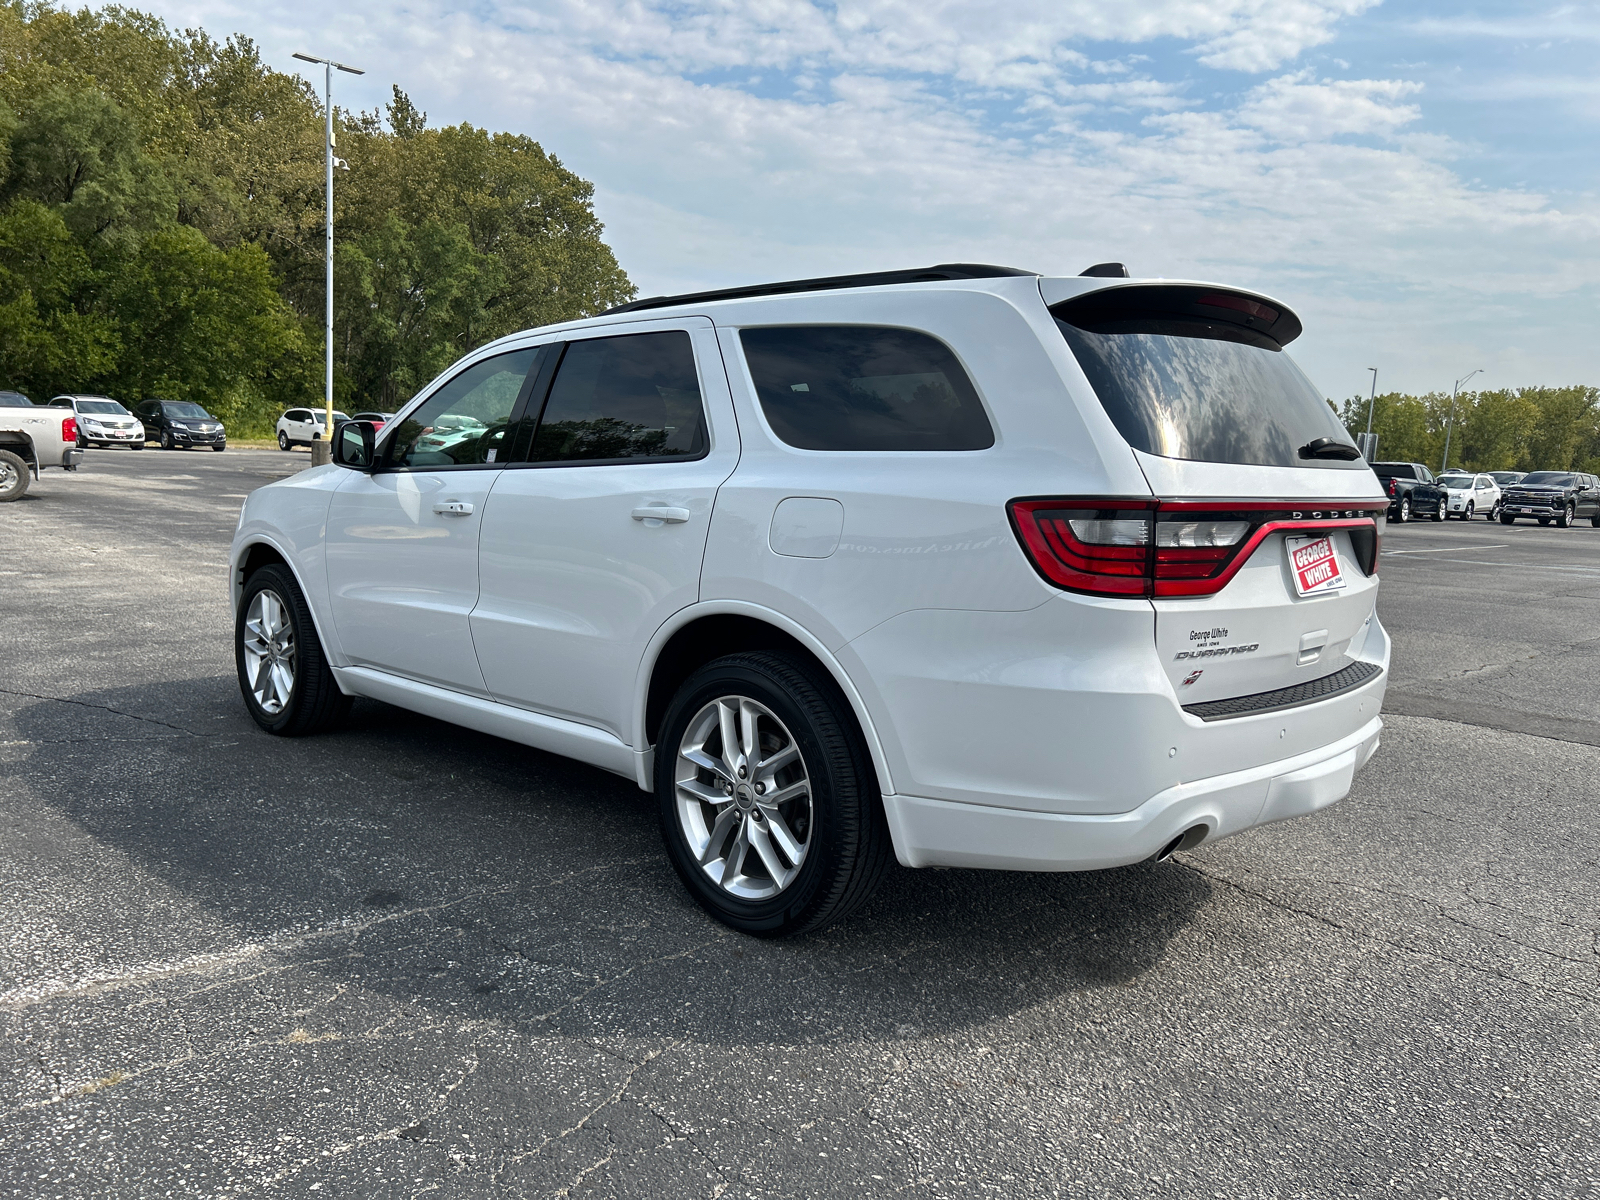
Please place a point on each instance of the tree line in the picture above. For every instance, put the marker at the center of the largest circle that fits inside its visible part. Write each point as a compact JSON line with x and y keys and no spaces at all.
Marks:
{"x":1513,"y":429}
{"x":162,"y":227}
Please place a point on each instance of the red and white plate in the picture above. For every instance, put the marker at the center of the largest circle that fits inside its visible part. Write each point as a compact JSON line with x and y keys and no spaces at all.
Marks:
{"x":1314,"y":563}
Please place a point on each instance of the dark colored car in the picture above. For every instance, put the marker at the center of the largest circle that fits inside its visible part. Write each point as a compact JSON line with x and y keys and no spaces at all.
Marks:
{"x":1546,"y":496}
{"x":176,"y":423}
{"x":14,"y":400}
{"x":1412,"y":491}
{"x":378,"y":419}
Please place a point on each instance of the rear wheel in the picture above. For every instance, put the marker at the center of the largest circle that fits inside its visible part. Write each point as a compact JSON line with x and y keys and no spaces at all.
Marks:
{"x":283,"y":673}
{"x":1403,"y":514}
{"x":14,"y":476}
{"x":1441,"y":511}
{"x":283,"y":440}
{"x":768,"y":801}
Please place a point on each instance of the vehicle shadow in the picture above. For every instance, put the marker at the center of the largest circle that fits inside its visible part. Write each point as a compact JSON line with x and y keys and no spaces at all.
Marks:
{"x":408,"y":858}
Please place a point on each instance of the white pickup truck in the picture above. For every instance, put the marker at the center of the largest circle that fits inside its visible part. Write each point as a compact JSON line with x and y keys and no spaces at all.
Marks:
{"x":32,"y":438}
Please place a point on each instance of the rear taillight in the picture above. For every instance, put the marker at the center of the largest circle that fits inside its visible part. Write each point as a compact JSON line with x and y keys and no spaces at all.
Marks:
{"x":1169,"y":548}
{"x":1393,"y":487}
{"x":69,"y":429}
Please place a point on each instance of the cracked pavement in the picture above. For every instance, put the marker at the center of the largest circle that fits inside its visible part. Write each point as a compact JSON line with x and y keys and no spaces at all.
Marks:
{"x":409,"y":960}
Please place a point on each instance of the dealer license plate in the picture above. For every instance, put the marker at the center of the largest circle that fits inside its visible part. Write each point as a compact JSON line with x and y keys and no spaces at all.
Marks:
{"x":1314,"y":564}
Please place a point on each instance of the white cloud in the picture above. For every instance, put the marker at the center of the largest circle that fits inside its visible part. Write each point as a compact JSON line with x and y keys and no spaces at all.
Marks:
{"x":1024,"y":134}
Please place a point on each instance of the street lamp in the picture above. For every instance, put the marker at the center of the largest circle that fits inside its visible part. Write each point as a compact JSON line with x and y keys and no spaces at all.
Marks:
{"x":1450,"y":424}
{"x":1372,"y":400}
{"x":328,"y":66}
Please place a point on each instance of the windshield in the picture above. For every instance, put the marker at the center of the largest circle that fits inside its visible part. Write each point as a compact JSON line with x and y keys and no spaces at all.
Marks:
{"x":1549,"y":479}
{"x":108,"y":408}
{"x":14,"y":400}
{"x":185,"y":411}
{"x":1457,"y":481}
{"x":1505,"y":476}
{"x":1191,"y":390}
{"x":320,"y":416}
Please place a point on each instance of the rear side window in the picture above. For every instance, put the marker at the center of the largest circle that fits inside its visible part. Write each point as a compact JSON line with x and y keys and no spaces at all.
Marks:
{"x":1200,"y":374}
{"x":621,"y":398}
{"x":860,"y":387}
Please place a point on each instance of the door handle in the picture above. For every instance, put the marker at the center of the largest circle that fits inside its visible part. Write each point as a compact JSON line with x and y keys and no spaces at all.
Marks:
{"x":660,"y":512}
{"x":453,"y":508}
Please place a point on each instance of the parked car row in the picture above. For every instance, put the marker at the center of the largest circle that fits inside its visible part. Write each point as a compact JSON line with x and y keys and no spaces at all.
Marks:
{"x":102,"y":421}
{"x":1561,"y":498}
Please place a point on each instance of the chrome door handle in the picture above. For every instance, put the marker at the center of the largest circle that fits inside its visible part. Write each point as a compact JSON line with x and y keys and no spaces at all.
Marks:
{"x":660,"y":512}
{"x":453,"y":508}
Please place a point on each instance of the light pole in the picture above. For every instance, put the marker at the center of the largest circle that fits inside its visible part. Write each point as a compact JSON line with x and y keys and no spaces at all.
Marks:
{"x":1372,"y":400}
{"x":1451,"y":423}
{"x":322,"y":453}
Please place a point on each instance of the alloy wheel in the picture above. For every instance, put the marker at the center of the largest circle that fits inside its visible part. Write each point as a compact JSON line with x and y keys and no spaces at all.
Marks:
{"x":269,"y":650}
{"x":743,"y":797}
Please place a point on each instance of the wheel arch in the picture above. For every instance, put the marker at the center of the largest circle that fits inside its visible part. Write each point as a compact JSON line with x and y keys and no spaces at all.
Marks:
{"x":697,"y":635}
{"x":261,"y":551}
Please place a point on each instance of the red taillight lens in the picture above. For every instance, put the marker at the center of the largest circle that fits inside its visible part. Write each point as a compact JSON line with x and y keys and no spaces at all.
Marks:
{"x":69,"y":429}
{"x":1134,"y":548}
{"x":1393,"y":487}
{"x":1101,"y":550}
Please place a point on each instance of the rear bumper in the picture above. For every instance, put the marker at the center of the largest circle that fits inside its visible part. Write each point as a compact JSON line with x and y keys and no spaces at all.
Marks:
{"x":929,"y":833}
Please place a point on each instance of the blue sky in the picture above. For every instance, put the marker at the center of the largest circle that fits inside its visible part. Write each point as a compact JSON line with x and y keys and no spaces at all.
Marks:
{"x":1419,"y":181}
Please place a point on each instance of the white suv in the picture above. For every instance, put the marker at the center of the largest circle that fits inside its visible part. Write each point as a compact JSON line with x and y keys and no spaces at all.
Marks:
{"x":966,"y":565}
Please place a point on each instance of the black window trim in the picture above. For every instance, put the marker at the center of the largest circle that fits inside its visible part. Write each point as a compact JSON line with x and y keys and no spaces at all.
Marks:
{"x":523,"y":446}
{"x":381,"y":449}
{"x":761,"y":412}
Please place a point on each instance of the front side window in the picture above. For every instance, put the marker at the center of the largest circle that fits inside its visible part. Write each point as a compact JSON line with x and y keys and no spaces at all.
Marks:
{"x":621,"y":398}
{"x":1197,"y":374}
{"x":862,"y":387}
{"x":464,"y":423}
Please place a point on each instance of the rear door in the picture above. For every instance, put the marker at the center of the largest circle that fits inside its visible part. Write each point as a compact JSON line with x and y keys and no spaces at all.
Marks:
{"x":577,"y":574}
{"x":1264,"y":535}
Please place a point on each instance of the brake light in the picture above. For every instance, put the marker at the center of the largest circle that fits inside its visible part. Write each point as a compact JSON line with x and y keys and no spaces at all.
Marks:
{"x":1169,"y":548}
{"x":69,"y":429}
{"x":1393,"y":486}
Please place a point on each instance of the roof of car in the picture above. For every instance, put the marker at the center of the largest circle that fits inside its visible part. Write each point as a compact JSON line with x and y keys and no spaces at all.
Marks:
{"x":828,"y":283}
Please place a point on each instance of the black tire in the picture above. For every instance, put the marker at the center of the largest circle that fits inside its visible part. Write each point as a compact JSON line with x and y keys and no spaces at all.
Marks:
{"x":1595,"y":520}
{"x":315,"y":704}
{"x":1467,"y":516}
{"x":14,"y":476}
{"x":1507,"y":519}
{"x":1403,"y":513}
{"x":1567,"y":517}
{"x":136,"y":446}
{"x":283,"y":440}
{"x":167,"y":443}
{"x":848,"y":847}
{"x":1441,"y":511}
{"x":1544,"y":520}
{"x":218,"y":449}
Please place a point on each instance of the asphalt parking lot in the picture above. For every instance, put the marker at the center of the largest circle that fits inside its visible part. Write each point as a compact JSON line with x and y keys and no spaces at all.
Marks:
{"x":408,"y":960}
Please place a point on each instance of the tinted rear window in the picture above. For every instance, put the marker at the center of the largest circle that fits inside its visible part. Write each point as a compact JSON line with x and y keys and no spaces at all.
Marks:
{"x":14,"y":400}
{"x":1187,"y":387}
{"x":862,"y":387}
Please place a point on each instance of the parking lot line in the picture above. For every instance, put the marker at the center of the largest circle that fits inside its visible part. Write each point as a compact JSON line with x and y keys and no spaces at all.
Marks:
{"x":1446,"y":549}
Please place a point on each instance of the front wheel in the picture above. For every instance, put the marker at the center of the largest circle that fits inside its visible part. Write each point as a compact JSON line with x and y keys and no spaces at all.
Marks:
{"x":1467,"y":516}
{"x":768,"y":801}
{"x":218,"y":449}
{"x":167,"y":443}
{"x":1568,"y":515}
{"x":283,"y":673}
{"x":1507,"y":519}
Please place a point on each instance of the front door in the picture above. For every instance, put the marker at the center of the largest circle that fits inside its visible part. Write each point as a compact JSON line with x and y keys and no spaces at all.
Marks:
{"x":402,"y":542}
{"x":577,"y":574}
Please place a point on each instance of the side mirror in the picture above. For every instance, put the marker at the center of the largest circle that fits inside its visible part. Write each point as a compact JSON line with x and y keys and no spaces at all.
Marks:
{"x":353,"y":445}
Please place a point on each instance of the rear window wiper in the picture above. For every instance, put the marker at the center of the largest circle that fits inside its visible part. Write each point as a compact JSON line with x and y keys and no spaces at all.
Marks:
{"x":1327,"y":447}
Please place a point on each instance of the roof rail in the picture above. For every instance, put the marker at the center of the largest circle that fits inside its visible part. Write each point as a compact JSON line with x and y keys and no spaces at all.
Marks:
{"x":828,"y":283}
